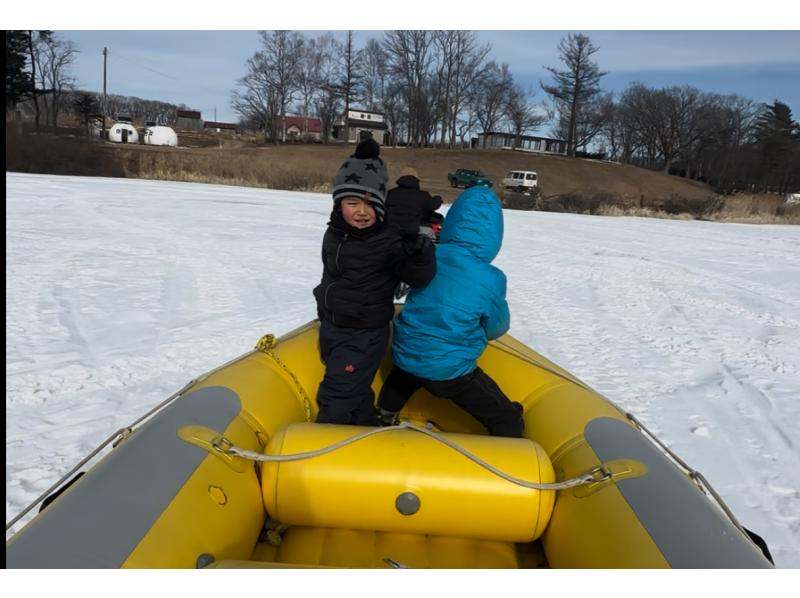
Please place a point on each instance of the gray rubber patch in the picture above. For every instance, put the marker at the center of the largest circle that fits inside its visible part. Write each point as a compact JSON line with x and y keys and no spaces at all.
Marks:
{"x":690,"y":531}
{"x":99,"y":522}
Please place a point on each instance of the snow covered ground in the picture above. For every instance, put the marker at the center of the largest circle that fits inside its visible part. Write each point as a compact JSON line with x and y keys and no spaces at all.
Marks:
{"x":120,"y":291}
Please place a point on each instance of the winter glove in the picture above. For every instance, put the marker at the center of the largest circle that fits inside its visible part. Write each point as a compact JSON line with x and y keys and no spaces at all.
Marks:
{"x":417,"y":246}
{"x":427,"y":231}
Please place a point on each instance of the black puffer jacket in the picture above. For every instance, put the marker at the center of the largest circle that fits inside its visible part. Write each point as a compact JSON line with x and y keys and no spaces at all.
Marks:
{"x":362,"y":267}
{"x":407,"y":206}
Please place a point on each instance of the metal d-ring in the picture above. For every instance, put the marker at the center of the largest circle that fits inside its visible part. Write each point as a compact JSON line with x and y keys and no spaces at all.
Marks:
{"x":221,"y":445}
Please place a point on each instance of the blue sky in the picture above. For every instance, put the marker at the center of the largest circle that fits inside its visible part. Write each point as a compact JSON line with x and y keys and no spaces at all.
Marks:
{"x":200,"y":68}
{"x":193,"y":54}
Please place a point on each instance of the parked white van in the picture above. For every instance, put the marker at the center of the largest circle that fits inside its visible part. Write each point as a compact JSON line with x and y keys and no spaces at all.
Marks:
{"x":521,"y":180}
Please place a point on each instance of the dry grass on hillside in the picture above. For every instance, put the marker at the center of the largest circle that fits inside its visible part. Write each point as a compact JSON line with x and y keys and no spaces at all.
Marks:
{"x":757,"y":209}
{"x":567,"y":185}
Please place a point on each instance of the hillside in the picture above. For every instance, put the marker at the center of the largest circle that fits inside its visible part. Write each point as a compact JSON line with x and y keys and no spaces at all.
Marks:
{"x":568,"y":185}
{"x":312,"y":167}
{"x":558,"y":175}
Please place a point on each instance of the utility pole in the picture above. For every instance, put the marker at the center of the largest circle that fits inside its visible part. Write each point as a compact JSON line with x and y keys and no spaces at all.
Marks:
{"x":105,"y":60}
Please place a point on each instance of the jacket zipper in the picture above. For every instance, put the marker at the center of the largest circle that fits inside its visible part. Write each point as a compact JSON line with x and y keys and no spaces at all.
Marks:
{"x":338,"y":249}
{"x":325,"y":301}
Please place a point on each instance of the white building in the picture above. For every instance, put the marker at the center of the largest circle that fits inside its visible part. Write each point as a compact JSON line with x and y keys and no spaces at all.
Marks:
{"x":362,"y":124}
{"x":160,"y":135}
{"x":123,"y":131}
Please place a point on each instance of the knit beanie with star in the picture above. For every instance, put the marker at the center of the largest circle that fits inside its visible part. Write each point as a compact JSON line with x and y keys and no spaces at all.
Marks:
{"x":363,"y":172}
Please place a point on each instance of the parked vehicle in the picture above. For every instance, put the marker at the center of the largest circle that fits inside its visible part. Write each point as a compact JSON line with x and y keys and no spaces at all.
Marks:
{"x":521,"y":181}
{"x":468,"y":178}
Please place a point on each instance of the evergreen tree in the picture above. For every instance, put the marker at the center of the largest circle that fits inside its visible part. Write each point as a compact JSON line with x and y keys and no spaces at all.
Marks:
{"x":87,"y":107}
{"x":576,"y":86}
{"x":18,"y":79}
{"x":777,"y":137}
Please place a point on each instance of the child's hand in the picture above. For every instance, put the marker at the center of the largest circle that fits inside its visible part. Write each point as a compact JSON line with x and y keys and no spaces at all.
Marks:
{"x":417,"y":245}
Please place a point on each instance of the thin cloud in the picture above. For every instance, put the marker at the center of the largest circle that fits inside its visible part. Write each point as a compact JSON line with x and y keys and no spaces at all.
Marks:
{"x":651,"y":50}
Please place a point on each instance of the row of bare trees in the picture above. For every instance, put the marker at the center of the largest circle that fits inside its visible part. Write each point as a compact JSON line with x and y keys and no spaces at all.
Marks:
{"x":434,"y":87}
{"x":441,"y":87}
{"x":726,"y":140}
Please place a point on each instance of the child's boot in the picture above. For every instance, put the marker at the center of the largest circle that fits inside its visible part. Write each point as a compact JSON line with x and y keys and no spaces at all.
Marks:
{"x":387,"y":418}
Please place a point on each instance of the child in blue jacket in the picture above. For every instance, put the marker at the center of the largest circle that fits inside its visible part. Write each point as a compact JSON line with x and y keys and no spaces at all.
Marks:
{"x":445,"y":327}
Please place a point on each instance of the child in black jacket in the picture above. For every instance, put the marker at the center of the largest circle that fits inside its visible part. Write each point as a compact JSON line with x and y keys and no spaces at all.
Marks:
{"x":363,"y":259}
{"x":409,"y":207}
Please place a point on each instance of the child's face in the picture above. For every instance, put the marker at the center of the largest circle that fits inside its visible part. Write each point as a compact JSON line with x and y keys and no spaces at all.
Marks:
{"x":358,"y":212}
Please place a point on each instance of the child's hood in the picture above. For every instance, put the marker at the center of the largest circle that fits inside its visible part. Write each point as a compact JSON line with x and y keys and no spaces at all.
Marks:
{"x":475,"y":221}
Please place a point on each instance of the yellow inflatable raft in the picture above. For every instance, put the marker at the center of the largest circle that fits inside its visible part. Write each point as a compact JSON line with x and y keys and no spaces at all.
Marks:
{"x":188,"y":488}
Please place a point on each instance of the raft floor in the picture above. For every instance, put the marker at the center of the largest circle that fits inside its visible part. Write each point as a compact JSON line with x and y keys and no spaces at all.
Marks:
{"x":325,"y":547}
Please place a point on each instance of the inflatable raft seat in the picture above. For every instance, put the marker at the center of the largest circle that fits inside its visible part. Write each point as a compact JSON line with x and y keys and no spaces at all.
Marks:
{"x":404,"y":481}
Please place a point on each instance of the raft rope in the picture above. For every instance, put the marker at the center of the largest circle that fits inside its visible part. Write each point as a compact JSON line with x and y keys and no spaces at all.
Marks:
{"x":265,"y":344}
{"x":597,"y":474}
{"x":119,"y":436}
{"x":698,"y":478}
{"x":514,"y":352}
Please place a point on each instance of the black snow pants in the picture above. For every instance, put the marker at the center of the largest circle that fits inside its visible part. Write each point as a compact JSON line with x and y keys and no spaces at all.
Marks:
{"x":476,"y":393}
{"x":352,"y":357}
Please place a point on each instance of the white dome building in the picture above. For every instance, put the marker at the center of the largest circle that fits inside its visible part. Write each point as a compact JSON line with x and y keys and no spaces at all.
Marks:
{"x":160,"y":135}
{"x":123,"y":132}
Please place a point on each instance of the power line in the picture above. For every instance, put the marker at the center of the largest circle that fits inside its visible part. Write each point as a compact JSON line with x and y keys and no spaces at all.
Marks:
{"x":191,"y":85}
{"x":118,"y":55}
{"x":186,"y":84}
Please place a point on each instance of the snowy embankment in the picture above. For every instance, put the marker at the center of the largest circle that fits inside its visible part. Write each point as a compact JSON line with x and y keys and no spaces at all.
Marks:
{"x":121,"y":291}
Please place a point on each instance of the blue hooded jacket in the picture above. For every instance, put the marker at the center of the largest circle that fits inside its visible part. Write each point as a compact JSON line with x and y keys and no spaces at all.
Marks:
{"x":445,"y":326}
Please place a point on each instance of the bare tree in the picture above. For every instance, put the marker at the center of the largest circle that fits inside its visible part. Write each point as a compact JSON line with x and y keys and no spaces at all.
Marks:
{"x":740,"y":115}
{"x":372,"y":66}
{"x":493,"y":89}
{"x":590,"y":120}
{"x":619,"y":132}
{"x":351,"y":79}
{"x":576,"y":85}
{"x":308,"y":67}
{"x":35,"y":39}
{"x":163,"y":113}
{"x":430,"y":110}
{"x":255,"y":102}
{"x":396,"y":112}
{"x":328,"y":98}
{"x":522,"y":115}
{"x":674,"y":119}
{"x":53,"y":59}
{"x":466,"y":121}
{"x":640,"y":119}
{"x":470,"y":63}
{"x":446,"y":43}
{"x":410,"y":59}
{"x":271,"y":81}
